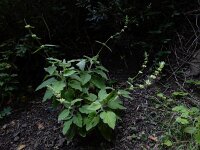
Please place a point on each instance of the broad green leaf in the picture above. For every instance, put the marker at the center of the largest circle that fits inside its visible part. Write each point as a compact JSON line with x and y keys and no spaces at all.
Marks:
{"x":85,"y":77}
{"x":78,"y":120}
{"x":66,"y":126}
{"x":50,"y":69}
{"x":182,"y":120}
{"x":48,"y":94}
{"x":110,"y":96}
{"x":91,"y":121}
{"x":75,"y":101}
{"x":124,"y":93}
{"x":109,"y":118}
{"x":102,"y":74}
{"x":94,"y":106}
{"x":68,"y":94}
{"x":115,"y":104}
{"x":91,"y":97}
{"x":64,"y":114}
{"x":102,"y":68}
{"x":84,"y":109}
{"x":197,"y":136}
{"x":81,"y":64}
{"x":45,"y":83}
{"x":168,"y":143}
{"x":102,"y":94}
{"x":75,"y":85}
{"x":69,"y":73}
{"x":58,"y":86}
{"x":98,"y":82}
{"x":190,"y":130}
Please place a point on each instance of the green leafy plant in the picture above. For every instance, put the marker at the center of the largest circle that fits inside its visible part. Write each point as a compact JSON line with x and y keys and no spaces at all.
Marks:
{"x":80,"y":85}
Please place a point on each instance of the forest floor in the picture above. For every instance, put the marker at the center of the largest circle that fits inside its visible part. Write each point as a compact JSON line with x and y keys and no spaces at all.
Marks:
{"x":35,"y":127}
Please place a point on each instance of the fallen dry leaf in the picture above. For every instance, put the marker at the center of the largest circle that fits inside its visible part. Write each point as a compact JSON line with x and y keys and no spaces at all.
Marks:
{"x":21,"y":147}
{"x":153,"y":138}
{"x":40,"y":126}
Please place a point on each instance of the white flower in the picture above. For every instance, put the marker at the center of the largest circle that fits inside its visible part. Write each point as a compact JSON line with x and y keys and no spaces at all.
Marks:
{"x":148,"y":82}
{"x":141,"y":86}
{"x":144,"y":66}
{"x":161,"y":64}
{"x":152,"y":76}
{"x":140,"y":72}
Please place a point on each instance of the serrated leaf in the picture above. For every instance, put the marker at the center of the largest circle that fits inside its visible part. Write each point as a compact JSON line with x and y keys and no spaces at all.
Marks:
{"x":78,"y":120}
{"x":64,"y":114}
{"x":115,"y":104}
{"x":98,"y":82}
{"x":91,"y":97}
{"x":94,"y":106}
{"x":102,"y":68}
{"x":66,"y":126}
{"x":102,"y":94}
{"x":190,"y":130}
{"x":46,"y":83}
{"x":50,"y":69}
{"x":75,"y":85}
{"x":91,"y":121}
{"x":48,"y":94}
{"x":81,"y":64}
{"x":58,"y":86}
{"x":125,"y":93}
{"x":84,"y":109}
{"x":102,"y":74}
{"x":109,"y":118}
{"x":85,"y":78}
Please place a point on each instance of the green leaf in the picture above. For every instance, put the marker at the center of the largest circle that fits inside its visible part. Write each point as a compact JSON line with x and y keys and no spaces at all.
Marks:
{"x":94,"y":106}
{"x":182,"y":120}
{"x":78,"y":120}
{"x":84,"y":109}
{"x":179,"y":94}
{"x":66,"y":126}
{"x":102,"y":94}
{"x":69,"y":73}
{"x":102,"y":68}
{"x":50,"y":69}
{"x":109,"y":118}
{"x":64,"y":114}
{"x":85,"y":77}
{"x":98,"y":82}
{"x":168,"y":143}
{"x":102,"y":74}
{"x":91,"y":97}
{"x":58,"y":86}
{"x":75,"y":85}
{"x":124,"y":93}
{"x":91,"y":121}
{"x":81,"y":64}
{"x":190,"y":130}
{"x":115,"y":104}
{"x":48,"y":94}
{"x":45,"y":83}
{"x":197,"y":137}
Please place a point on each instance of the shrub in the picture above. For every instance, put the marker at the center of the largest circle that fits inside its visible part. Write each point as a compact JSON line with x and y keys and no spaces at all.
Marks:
{"x":80,"y":86}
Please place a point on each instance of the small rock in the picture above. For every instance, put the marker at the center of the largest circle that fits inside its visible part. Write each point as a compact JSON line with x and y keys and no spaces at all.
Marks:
{"x":16,"y":139}
{"x":24,"y":125}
